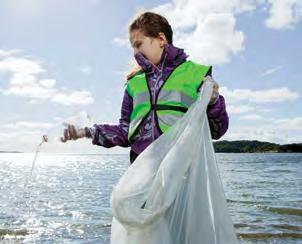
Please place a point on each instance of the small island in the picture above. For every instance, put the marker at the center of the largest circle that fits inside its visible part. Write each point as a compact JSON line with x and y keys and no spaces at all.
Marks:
{"x":246,"y":146}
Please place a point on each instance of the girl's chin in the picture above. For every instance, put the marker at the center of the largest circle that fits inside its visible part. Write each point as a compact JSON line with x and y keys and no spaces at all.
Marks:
{"x":154,"y":62}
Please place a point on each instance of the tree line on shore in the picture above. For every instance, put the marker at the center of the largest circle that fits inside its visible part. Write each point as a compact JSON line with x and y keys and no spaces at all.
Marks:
{"x":246,"y":146}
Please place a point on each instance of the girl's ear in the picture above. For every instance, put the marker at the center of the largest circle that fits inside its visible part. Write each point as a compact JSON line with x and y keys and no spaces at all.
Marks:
{"x":162,"y":38}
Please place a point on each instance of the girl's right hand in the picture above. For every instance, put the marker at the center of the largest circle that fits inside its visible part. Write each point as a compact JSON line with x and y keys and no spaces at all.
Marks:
{"x":72,"y":133}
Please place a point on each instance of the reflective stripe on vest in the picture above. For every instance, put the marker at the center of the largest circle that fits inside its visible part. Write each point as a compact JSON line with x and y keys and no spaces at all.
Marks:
{"x":176,"y":95}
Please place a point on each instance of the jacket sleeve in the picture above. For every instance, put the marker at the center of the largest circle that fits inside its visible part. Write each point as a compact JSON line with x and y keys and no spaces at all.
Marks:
{"x":217,"y":115}
{"x":218,"y":118}
{"x":107,"y":135}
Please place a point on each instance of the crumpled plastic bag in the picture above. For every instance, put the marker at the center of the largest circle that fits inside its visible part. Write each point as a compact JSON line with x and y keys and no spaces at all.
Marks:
{"x":172,"y":193}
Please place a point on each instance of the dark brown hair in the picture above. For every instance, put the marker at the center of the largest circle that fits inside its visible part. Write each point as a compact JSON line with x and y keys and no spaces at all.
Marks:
{"x":151,"y":24}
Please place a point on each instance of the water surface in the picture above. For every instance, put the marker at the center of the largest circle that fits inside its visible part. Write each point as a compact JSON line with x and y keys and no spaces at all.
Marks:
{"x":67,"y":199}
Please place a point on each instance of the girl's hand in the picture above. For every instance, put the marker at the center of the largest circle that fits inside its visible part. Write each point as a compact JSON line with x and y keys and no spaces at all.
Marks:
{"x":215,"y":92}
{"x":71,"y":133}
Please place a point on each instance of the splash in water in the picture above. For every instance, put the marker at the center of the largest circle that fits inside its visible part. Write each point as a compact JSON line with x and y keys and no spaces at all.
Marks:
{"x":44,"y":139}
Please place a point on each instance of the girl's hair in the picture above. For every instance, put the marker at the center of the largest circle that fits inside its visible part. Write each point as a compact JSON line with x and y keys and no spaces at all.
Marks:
{"x":151,"y":24}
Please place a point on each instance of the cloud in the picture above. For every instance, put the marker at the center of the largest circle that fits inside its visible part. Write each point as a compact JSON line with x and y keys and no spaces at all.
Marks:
{"x":24,"y":81}
{"x":21,"y":67}
{"x":34,"y":90}
{"x":240,"y":109}
{"x":207,"y":29}
{"x":26,"y":135}
{"x":48,"y":83}
{"x":86,"y":69}
{"x":289,"y":123}
{"x":269,"y":133}
{"x":200,"y":25}
{"x":251,"y":117}
{"x":271,"y":71}
{"x":255,"y":133}
{"x":261,"y":96}
{"x":206,"y":45}
{"x":271,"y":129}
{"x":25,"y":125}
{"x":122,"y":41}
{"x":283,"y":14}
{"x":4,"y":53}
{"x":73,"y":98}
{"x":184,"y":14}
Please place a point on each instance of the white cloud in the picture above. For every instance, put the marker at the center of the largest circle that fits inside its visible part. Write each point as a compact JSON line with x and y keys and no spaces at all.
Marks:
{"x":24,"y":81}
{"x":20,"y":66}
{"x":251,"y":117}
{"x":269,"y":133}
{"x":254,"y":133}
{"x":86,"y":69}
{"x":4,"y":53}
{"x":73,"y":98}
{"x":200,"y":25}
{"x":26,"y":135}
{"x":284,"y":13}
{"x":289,"y":123}
{"x":31,"y":91}
{"x":121,"y":41}
{"x":239,"y":109}
{"x":271,"y":71}
{"x":25,"y":125}
{"x":261,"y":96}
{"x":47,"y":83}
{"x":207,"y":29}
{"x":206,"y":45}
{"x":278,"y":130}
{"x":184,"y":14}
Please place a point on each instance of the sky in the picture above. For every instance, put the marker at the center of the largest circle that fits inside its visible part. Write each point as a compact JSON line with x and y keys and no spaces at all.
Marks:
{"x":62,"y":60}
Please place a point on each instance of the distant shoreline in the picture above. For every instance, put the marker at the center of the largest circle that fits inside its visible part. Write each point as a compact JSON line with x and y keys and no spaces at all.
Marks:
{"x":245,"y":146}
{"x":240,"y":146}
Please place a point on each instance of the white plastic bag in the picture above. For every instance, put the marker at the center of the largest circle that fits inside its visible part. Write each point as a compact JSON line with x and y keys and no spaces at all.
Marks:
{"x":172,"y":193}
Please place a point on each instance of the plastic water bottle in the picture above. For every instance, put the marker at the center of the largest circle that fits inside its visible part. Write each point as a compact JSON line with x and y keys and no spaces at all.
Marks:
{"x":56,"y":133}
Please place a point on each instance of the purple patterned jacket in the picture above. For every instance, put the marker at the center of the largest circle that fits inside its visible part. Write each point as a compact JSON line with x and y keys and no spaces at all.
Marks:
{"x":107,"y":135}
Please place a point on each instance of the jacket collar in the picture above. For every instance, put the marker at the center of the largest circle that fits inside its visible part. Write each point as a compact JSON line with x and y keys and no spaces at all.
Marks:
{"x":171,"y":57}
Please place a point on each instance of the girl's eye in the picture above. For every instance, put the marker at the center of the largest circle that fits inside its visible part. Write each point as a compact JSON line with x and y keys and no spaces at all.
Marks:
{"x":137,"y":45}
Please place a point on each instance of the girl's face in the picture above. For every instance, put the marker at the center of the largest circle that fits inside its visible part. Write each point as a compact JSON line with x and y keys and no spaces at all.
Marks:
{"x":150,"y":47}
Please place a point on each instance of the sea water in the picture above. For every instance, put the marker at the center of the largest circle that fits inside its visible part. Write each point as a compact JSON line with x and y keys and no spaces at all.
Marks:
{"x":69,"y":196}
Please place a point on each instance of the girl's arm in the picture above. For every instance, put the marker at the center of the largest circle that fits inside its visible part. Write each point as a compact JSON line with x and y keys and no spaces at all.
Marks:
{"x":217,"y":114}
{"x":107,"y":135}
{"x":218,"y":118}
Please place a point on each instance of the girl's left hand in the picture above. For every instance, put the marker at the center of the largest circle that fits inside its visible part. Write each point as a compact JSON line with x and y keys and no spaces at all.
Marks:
{"x":215,"y":92}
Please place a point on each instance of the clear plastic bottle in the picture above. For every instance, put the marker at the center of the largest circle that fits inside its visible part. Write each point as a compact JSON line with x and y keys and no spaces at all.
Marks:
{"x":56,"y":133}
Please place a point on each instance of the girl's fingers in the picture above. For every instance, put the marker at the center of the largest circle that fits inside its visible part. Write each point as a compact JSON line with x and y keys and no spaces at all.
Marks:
{"x":73,"y":132}
{"x":65,"y":137}
{"x":215,"y":87}
{"x":70,"y":133}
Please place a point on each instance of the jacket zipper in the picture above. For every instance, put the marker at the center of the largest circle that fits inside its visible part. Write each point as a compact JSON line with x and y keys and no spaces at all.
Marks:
{"x":154,"y":99}
{"x":155,"y":96}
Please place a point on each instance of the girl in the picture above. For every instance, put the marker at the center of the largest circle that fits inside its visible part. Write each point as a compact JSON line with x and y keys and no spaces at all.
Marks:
{"x":157,"y":93}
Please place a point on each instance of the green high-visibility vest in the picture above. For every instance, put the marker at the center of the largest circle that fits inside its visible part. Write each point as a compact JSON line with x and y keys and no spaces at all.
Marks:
{"x":176,"y":95}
